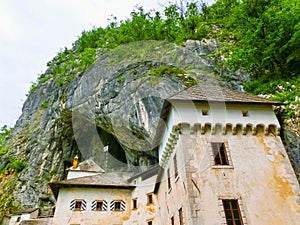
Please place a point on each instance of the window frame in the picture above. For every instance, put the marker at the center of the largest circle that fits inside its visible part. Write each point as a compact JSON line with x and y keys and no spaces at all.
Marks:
{"x":222,"y":153}
{"x":74,"y":205}
{"x":232,"y":213}
{"x":134,"y":203}
{"x":150,"y":199}
{"x":114,"y":203}
{"x":117,"y":205}
{"x":96,"y":208}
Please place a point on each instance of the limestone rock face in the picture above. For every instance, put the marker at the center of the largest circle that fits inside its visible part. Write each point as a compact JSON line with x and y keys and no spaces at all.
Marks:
{"x":108,"y":113}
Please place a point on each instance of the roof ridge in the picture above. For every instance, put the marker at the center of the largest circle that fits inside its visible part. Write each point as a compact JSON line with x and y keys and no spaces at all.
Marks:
{"x":216,"y":93}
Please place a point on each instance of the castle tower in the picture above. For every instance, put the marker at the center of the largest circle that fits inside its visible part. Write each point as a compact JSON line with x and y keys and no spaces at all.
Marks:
{"x":223,"y":161}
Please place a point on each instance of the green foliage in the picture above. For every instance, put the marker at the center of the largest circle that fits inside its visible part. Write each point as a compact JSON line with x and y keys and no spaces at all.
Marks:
{"x":181,"y":74}
{"x":14,"y":166}
{"x":286,"y":91}
{"x":32,"y":88}
{"x":45,"y":105}
{"x":260,"y":36}
{"x":4,"y":133}
{"x":160,"y":71}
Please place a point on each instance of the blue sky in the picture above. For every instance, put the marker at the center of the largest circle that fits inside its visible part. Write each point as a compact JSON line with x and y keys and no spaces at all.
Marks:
{"x":32,"y":32}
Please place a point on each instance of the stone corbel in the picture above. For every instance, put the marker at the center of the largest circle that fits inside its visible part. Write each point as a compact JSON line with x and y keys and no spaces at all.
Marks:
{"x":254,"y":131}
{"x":245,"y":130}
{"x":234,"y":130}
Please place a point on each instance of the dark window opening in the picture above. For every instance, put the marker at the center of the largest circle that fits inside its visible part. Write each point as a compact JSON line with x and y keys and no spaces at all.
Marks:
{"x":78,"y":205}
{"x":180,"y":215}
{"x":117,"y":205}
{"x":169,"y":179}
{"x":99,"y":206}
{"x":175,"y":166}
{"x":172,"y":220}
{"x":134,"y":203}
{"x":18,"y":219}
{"x":205,"y":112}
{"x":149,"y":198}
{"x":219,"y":153}
{"x":232,"y":212}
{"x":149,"y":223}
{"x":245,"y":113}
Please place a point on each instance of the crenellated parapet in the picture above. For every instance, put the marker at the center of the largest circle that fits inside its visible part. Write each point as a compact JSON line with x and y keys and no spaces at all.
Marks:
{"x":213,"y":129}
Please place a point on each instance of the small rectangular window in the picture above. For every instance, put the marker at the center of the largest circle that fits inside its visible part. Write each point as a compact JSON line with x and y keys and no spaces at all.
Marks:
{"x":180,"y":215}
{"x":134,"y":203}
{"x":219,"y":154}
{"x":175,"y":166}
{"x":232,"y":212}
{"x":117,"y":205}
{"x":149,"y":198}
{"x":78,"y":205}
{"x":99,"y":206}
{"x":149,"y":222}
{"x":169,"y":179}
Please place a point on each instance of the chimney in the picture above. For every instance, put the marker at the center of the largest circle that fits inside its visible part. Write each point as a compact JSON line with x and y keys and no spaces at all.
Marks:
{"x":75,"y":162}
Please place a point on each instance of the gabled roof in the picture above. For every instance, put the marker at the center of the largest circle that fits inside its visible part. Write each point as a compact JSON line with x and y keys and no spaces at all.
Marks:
{"x":104,"y":180}
{"x":205,"y":93}
{"x":212,"y":93}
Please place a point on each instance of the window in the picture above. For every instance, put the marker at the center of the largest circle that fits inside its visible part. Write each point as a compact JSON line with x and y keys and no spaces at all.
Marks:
{"x":175,"y":166}
{"x":134,"y":203}
{"x":172,"y":220}
{"x":204,"y":112}
{"x":99,"y":205}
{"x":180,"y":215}
{"x":169,"y":179}
{"x":78,"y":204}
{"x":149,"y":198}
{"x":245,"y":113}
{"x":232,"y":212}
{"x":219,"y":154}
{"x":117,"y":205}
{"x":18,"y":219}
{"x":149,"y":222}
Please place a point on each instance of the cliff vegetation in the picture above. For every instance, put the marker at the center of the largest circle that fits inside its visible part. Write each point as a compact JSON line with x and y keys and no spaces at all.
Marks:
{"x":127,"y":68}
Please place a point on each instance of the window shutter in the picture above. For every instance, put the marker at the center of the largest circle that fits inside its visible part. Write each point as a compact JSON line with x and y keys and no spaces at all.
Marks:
{"x":83,"y":206}
{"x":112,"y":205}
{"x":94,"y":203}
{"x":104,"y":205}
{"x":72,"y":205}
{"x":123,"y":205}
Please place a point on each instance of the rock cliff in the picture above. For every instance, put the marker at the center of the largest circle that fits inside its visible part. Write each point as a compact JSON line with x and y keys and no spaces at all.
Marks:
{"x":116,"y":103}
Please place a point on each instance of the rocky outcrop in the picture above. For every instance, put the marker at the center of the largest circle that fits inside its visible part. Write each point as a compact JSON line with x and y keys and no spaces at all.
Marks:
{"x":115,"y":103}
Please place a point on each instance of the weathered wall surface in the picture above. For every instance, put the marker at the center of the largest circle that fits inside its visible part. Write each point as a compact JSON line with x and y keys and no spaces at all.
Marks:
{"x":63,"y":214}
{"x":260,"y":176}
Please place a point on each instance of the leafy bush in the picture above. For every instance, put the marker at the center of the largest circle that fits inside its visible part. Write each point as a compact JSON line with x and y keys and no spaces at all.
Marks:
{"x":14,"y":166}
